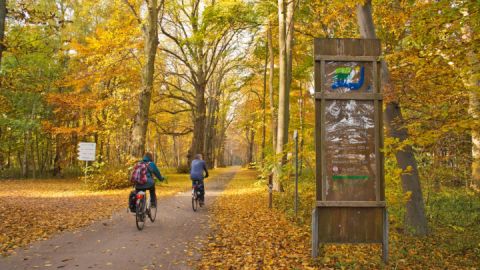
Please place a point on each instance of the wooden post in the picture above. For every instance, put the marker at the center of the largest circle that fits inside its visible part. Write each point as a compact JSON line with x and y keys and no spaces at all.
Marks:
{"x":295,"y":137}
{"x":270,"y":190}
{"x":315,"y":242}
{"x":385,"y":237}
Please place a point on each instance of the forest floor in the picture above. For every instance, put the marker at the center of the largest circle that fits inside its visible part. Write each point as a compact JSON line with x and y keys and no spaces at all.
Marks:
{"x":236,"y":230}
{"x":116,"y":243}
{"x":246,"y":234}
{"x":32,"y":210}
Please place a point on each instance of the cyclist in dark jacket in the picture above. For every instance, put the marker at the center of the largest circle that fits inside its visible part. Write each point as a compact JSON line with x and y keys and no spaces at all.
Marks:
{"x":150,"y":184}
{"x":196,"y":174}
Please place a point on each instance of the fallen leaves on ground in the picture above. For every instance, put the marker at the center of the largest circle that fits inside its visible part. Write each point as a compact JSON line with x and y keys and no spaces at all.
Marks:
{"x":248,"y":235}
{"x":33,"y":210}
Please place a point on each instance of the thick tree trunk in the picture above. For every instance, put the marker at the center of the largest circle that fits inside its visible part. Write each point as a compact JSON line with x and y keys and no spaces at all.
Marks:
{"x":415,"y":216}
{"x":140,"y":124}
{"x":211,"y":135}
{"x":209,"y":130}
{"x":199,"y":123}
{"x":473,"y":85}
{"x":283,"y":95}
{"x":3,"y":16}
{"x":271,"y":73}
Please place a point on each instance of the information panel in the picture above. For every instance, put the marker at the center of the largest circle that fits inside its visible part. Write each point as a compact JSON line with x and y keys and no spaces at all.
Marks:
{"x":350,"y":205}
{"x":350,"y":150}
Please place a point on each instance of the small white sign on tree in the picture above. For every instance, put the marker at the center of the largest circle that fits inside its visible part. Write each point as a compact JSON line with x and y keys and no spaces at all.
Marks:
{"x":86,"y":151}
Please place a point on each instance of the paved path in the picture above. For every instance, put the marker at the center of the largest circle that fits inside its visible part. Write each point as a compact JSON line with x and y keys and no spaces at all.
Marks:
{"x":117,"y":244}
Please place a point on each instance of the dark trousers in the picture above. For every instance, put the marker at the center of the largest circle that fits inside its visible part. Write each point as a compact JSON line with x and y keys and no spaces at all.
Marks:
{"x":200,"y":187}
{"x":153,"y":196}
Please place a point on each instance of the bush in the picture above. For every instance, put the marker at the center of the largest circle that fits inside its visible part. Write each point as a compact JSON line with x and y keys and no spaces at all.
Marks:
{"x":100,"y":177}
{"x":183,"y":168}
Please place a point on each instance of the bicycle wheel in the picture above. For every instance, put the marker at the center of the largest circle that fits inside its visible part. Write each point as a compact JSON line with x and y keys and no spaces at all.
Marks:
{"x":152,"y":212}
{"x":194,"y":200}
{"x":140,"y":214}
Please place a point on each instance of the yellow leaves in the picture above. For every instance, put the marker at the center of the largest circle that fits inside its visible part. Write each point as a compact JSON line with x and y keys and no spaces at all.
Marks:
{"x":248,"y":235}
{"x":32,"y":210}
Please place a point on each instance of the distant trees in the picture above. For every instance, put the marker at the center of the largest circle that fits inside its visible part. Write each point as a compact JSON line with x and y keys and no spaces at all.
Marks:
{"x":201,"y":36}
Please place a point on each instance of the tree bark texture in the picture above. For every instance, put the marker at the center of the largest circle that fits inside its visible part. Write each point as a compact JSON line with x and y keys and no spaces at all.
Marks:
{"x":415,"y":215}
{"x":271,"y":73}
{"x":140,"y":124}
{"x":264,"y":104}
{"x":199,"y":122}
{"x":283,"y":97}
{"x":473,"y":85}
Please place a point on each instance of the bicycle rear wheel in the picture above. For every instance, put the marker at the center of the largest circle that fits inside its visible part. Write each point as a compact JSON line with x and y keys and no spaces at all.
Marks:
{"x":152,"y":213}
{"x":140,"y":214}
{"x":194,"y":201}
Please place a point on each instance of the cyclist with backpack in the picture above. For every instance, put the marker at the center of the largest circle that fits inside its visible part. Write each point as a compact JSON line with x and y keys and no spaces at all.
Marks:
{"x":196,"y":174}
{"x":142,"y":177}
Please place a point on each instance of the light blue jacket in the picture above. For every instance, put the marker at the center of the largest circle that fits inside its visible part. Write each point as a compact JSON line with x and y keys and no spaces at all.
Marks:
{"x":198,"y":167}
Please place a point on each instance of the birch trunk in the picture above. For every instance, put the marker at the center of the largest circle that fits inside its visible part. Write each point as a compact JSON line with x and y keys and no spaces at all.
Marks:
{"x":140,"y":124}
{"x":415,"y":216}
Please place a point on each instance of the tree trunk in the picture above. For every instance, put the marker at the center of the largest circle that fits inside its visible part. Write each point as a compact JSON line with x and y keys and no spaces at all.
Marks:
{"x":473,"y":108}
{"x":26,"y":143}
{"x":270,"y":86}
{"x":34,"y":164}
{"x":264,"y":104}
{"x":140,"y":124}
{"x":415,"y":216}
{"x":210,"y":129}
{"x":199,"y":123}
{"x":3,"y":16}
{"x":283,"y":97}
{"x":285,"y":46}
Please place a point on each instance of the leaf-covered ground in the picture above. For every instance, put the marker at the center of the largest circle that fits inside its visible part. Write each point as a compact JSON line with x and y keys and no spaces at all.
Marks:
{"x":33,"y":210}
{"x":248,"y":235}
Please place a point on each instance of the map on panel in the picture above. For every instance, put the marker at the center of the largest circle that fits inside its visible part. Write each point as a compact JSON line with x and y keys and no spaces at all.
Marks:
{"x":343,"y":77}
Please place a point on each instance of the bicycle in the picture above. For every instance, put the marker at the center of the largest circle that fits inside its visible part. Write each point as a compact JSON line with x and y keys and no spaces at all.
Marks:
{"x":143,"y":209}
{"x":196,"y":195}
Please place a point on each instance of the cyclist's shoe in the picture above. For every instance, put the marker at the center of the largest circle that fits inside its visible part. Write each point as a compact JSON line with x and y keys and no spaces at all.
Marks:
{"x":153,"y":204}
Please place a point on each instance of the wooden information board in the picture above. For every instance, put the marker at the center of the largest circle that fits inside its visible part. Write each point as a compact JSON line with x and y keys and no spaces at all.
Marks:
{"x":350,"y":197}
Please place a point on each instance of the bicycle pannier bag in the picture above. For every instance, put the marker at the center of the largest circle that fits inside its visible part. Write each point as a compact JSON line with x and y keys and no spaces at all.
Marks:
{"x":131,"y":201}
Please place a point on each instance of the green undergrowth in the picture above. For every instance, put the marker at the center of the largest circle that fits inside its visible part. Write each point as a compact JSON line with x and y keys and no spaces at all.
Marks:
{"x":453,"y":217}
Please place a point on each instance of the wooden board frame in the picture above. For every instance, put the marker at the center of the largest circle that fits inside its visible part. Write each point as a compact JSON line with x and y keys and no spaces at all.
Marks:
{"x":328,"y":215}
